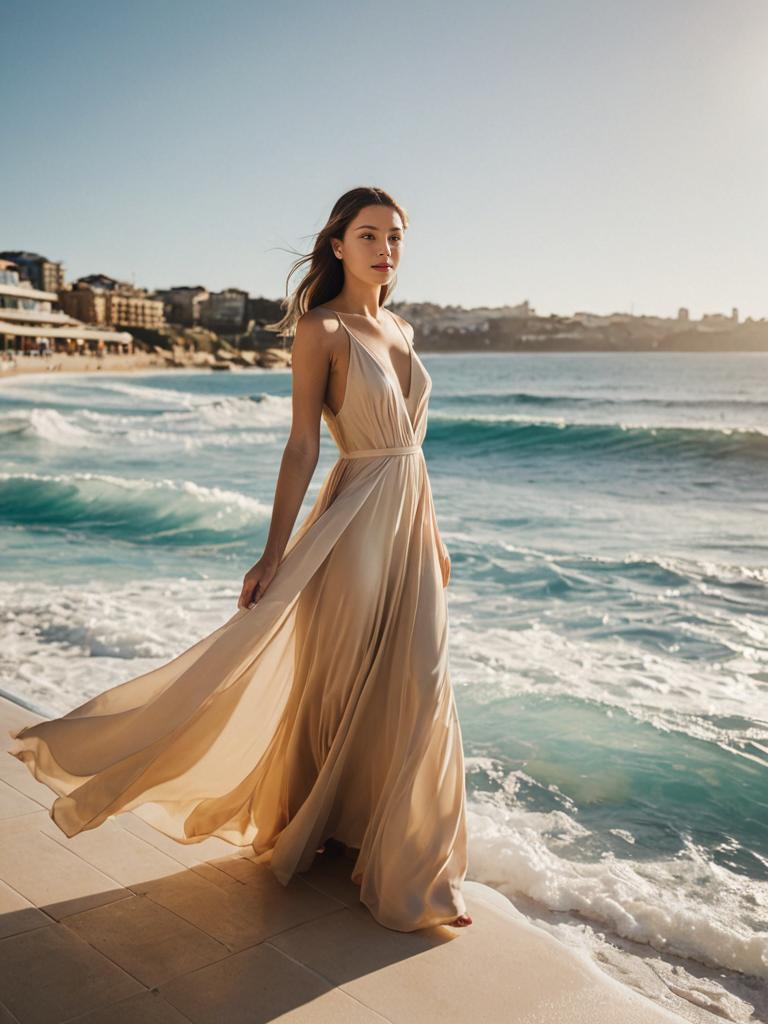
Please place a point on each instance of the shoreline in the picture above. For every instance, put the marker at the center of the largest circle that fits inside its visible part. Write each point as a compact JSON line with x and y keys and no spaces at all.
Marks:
{"x":143,"y":361}
{"x":27,"y":365}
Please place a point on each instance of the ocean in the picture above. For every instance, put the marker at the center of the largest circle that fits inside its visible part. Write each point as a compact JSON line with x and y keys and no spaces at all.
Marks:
{"x":606,"y":519}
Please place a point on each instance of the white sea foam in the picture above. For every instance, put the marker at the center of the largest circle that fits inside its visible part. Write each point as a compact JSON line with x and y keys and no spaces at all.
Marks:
{"x":223,"y":422}
{"x":661,"y":690}
{"x":46,"y":425}
{"x":65,"y":644}
{"x":151,"y":396}
{"x":685,"y":906}
{"x":628,"y":420}
{"x":269,"y":411}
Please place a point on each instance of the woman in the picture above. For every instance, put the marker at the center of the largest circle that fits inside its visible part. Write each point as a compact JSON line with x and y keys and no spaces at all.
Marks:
{"x":323,"y":708}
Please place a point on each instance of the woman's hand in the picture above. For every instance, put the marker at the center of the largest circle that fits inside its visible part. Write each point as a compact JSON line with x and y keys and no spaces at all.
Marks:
{"x":256,"y":581}
{"x":445,"y":564}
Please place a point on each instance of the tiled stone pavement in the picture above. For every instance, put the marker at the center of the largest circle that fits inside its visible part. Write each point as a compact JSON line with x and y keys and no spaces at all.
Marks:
{"x":121,"y":924}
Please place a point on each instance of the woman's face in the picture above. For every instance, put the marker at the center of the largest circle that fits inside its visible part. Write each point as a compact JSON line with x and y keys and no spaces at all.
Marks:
{"x":372,"y":244}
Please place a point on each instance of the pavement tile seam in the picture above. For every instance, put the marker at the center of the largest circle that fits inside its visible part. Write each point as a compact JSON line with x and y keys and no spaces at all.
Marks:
{"x":9,"y":1016}
{"x":127,"y":999}
{"x":310,"y":920}
{"x":65,"y":844}
{"x":234,"y":950}
{"x":44,"y":924}
{"x":67,"y":847}
{"x":101,"y":952}
{"x":328,"y":981}
{"x":10,"y":783}
{"x":79,"y":940}
{"x":188,"y":924}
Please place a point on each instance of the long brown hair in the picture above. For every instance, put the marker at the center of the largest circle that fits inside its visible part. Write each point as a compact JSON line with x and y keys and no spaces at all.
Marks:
{"x":325,"y":277}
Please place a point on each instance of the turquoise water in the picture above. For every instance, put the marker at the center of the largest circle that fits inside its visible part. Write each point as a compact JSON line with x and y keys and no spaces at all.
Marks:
{"x":605,"y":516}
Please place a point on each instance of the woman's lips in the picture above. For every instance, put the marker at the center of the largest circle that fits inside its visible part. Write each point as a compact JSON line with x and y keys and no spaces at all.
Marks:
{"x":381,"y":266}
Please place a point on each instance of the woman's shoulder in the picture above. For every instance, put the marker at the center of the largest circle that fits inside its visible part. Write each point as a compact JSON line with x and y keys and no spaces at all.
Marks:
{"x":317,"y":326}
{"x":318,"y":320}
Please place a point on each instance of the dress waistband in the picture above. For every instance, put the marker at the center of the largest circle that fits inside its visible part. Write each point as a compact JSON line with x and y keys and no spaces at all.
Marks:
{"x":365,"y":453}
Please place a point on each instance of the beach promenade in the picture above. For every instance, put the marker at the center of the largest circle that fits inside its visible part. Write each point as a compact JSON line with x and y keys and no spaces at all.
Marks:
{"x":121,"y":924}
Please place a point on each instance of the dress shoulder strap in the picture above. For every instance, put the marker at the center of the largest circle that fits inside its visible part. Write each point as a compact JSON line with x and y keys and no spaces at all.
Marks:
{"x":407,"y":342}
{"x":338,"y":317}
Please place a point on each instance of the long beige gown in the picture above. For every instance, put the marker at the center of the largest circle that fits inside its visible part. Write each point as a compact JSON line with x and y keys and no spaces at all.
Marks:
{"x":325,"y":710}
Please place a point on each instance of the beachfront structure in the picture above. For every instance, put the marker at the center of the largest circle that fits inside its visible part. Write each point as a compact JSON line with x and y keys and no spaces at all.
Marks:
{"x":224,"y":311}
{"x":29,"y":322}
{"x":99,"y":299}
{"x":42,"y":273}
{"x":183,"y":303}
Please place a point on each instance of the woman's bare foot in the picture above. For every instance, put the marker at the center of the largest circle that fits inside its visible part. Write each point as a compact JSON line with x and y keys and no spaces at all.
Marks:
{"x":462,"y":921}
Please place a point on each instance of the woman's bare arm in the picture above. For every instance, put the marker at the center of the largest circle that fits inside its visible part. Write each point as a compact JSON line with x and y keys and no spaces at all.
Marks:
{"x":310,"y":361}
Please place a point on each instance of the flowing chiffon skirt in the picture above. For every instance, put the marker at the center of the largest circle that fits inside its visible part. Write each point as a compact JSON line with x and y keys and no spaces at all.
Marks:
{"x":325,"y":710}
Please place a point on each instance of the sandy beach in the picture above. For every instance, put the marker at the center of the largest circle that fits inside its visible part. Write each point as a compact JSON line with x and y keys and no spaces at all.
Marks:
{"x":116,"y":363}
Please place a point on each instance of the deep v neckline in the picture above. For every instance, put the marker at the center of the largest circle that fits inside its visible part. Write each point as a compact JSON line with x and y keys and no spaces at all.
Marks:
{"x":391,"y":375}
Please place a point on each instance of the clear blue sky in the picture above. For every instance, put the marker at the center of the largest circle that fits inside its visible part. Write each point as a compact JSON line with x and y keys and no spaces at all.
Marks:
{"x":603,"y":154}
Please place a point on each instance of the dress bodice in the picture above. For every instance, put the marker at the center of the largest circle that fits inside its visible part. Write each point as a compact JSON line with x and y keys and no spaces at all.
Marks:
{"x":375,"y":413}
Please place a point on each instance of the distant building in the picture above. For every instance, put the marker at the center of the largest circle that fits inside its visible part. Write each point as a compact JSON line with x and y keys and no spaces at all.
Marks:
{"x":620,"y":318}
{"x":683,"y":314}
{"x":134,"y":310}
{"x":183,"y":303}
{"x":44,"y":274}
{"x":28,"y":321}
{"x":602,"y":320}
{"x":522,"y":311}
{"x":587,"y":319}
{"x":99,"y":299}
{"x":429,"y":318}
{"x":224,"y":311}
{"x":260,"y":310}
{"x":718,"y":321}
{"x":85,"y":303}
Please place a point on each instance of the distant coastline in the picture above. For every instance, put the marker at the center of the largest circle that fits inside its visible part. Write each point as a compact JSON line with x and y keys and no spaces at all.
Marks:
{"x":558,"y":334}
{"x":100,"y":323}
{"x":142,"y":361}
{"x":436,"y":330}
{"x":693,"y":343}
